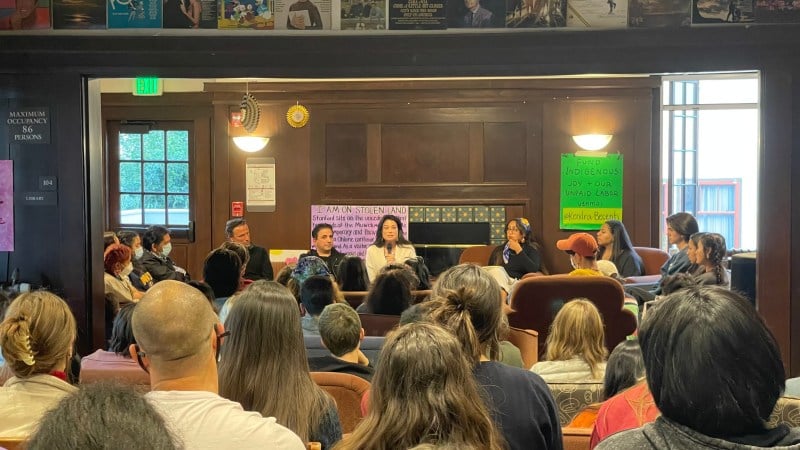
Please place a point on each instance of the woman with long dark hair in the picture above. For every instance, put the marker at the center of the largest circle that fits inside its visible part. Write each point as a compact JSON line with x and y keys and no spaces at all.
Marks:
{"x":390,"y":246}
{"x":263,"y":365}
{"x":709,"y":256}
{"x":615,"y":246}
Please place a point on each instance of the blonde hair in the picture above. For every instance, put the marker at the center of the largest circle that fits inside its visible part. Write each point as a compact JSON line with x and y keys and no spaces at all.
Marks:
{"x":37,"y":334}
{"x":577,"y":330}
{"x":424,"y":392}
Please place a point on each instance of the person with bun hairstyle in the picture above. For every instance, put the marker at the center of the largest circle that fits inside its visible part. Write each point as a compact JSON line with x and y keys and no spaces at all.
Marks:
{"x":36,"y":337}
{"x":520,"y":254}
{"x":390,"y":246}
{"x":424,"y":393}
{"x":467,"y":301}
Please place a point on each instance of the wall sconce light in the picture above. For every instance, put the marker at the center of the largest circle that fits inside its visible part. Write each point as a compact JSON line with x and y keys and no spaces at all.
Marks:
{"x":250,"y":144}
{"x":592,"y":142}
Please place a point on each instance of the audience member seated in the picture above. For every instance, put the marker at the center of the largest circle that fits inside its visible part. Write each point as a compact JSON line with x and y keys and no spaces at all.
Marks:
{"x":629,"y":403}
{"x":103,"y":416}
{"x":36,"y":337}
{"x":158,"y":245}
{"x":222,"y":270}
{"x":715,"y":373}
{"x":520,"y":255}
{"x":259,"y":266}
{"x":315,"y":294}
{"x":419,"y":268}
{"x":691,"y":253}
{"x":109,"y":238}
{"x":352,"y":275}
{"x":180,"y":356}
{"x":390,"y":246}
{"x":390,"y":293}
{"x":116,"y":363}
{"x":206,"y":290}
{"x":244,"y":257}
{"x":615,"y":245}
{"x":140,"y":278}
{"x":117,"y":286}
{"x":467,"y":301}
{"x":322,"y":236}
{"x":680,"y":228}
{"x":285,"y":274}
{"x":263,"y":365}
{"x":341,"y":332}
{"x":582,"y":251}
{"x":710,"y":256}
{"x":304,"y":269}
{"x":575,"y":345}
{"x":424,"y":393}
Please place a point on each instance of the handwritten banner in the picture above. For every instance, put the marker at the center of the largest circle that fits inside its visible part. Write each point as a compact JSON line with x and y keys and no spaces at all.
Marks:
{"x":591,"y":191}
{"x":354,"y":227}
{"x":6,"y":206}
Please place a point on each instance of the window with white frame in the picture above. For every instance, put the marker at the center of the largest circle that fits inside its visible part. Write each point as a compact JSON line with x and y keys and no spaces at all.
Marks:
{"x":710,"y":126}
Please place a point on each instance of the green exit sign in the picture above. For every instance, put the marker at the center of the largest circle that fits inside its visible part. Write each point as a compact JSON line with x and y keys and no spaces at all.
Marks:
{"x":148,"y":86}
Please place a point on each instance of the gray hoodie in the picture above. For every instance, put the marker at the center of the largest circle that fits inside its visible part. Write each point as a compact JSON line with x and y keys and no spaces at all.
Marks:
{"x":666,"y":434}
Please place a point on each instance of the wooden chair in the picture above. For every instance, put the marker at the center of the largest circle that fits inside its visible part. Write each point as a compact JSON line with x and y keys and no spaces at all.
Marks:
{"x":576,"y":438}
{"x":527,"y":341}
{"x":125,"y":372}
{"x":378,"y":324}
{"x":347,"y":390}
{"x":478,"y":254}
{"x":536,"y":301}
{"x":12,"y":443}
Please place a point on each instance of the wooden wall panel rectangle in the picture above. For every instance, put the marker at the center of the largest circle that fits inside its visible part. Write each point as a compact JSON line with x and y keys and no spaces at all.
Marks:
{"x":345,"y":153}
{"x":504,"y":151}
{"x":425,"y":153}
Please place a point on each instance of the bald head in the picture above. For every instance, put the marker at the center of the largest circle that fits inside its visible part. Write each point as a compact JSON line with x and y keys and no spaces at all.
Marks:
{"x":173,"y":322}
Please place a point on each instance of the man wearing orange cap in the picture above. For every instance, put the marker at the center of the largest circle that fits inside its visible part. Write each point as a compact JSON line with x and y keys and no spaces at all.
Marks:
{"x":582,"y":251}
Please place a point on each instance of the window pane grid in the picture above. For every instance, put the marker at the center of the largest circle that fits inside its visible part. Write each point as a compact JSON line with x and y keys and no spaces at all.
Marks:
{"x":154,"y":178}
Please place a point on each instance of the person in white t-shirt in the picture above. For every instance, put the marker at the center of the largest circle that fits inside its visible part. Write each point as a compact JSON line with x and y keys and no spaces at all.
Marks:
{"x":178,"y":338}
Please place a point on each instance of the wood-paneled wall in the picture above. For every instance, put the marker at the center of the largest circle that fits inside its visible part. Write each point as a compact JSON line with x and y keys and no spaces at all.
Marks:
{"x":442,"y":143}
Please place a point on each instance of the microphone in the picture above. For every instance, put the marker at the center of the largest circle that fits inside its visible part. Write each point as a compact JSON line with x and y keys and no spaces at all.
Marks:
{"x":389,"y":247}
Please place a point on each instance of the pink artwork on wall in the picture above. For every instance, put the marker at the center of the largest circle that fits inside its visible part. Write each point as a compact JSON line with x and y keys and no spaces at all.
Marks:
{"x":6,"y":206}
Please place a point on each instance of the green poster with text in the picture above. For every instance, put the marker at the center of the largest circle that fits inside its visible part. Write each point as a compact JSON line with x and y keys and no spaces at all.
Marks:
{"x":591,"y":191}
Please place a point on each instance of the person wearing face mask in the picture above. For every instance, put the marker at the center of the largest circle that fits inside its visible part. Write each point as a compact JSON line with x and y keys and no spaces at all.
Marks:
{"x":118,"y":288}
{"x":157,"y":246}
{"x":582,"y":251}
{"x":140,"y":278}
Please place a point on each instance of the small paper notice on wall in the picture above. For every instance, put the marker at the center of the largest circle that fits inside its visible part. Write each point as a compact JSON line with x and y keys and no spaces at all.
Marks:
{"x":260,"y":182}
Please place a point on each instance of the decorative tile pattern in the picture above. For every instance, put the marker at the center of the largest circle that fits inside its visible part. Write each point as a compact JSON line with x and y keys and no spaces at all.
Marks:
{"x":449,"y":214}
{"x":498,"y":231}
{"x":481,"y":213}
{"x":497,"y":213}
{"x":465,"y":214}
{"x":433,"y":214}
{"x":416,"y":214}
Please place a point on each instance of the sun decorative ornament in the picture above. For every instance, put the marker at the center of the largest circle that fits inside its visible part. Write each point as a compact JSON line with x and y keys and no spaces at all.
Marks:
{"x":297,"y":116}
{"x":251,"y":112}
